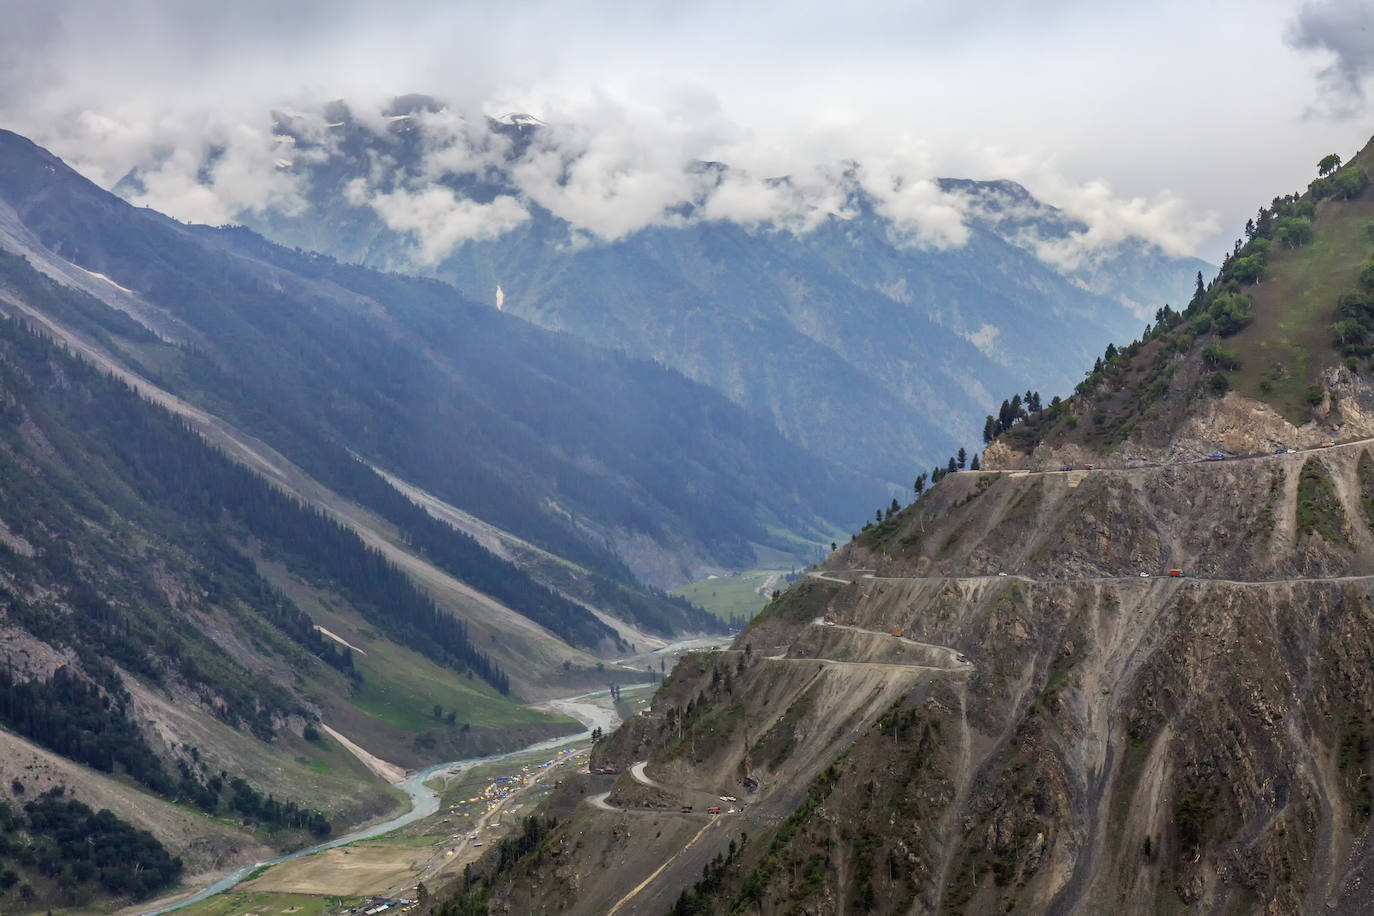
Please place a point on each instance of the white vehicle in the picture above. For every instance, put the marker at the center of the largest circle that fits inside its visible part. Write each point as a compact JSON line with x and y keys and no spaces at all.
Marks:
{"x":1003,"y":575}
{"x":1144,"y":575}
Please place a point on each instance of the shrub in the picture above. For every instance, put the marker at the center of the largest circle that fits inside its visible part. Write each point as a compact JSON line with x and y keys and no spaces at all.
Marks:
{"x":1230,"y":313}
{"x":1349,"y":183}
{"x":1367,"y":275}
{"x":1215,"y":356}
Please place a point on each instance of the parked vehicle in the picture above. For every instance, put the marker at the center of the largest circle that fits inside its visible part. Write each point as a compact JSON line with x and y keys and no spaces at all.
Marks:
{"x":1177,"y":573}
{"x":686,"y":809}
{"x":1327,"y":444}
{"x":896,"y":631}
{"x":1215,"y":456}
{"x":714,"y":809}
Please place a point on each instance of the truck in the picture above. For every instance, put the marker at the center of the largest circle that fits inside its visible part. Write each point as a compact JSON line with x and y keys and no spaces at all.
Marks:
{"x":1177,"y":573}
{"x":714,"y":809}
{"x":686,"y":809}
{"x":896,"y":631}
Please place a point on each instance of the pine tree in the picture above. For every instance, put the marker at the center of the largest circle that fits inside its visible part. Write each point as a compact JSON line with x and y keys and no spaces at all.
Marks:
{"x":963,"y":460}
{"x":973,"y":465}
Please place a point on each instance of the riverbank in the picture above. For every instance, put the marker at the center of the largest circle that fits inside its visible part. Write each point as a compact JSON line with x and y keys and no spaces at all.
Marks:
{"x":593,"y":710}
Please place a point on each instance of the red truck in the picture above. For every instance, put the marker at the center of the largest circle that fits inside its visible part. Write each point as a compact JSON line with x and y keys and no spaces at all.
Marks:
{"x":714,"y":809}
{"x":1176,"y":573}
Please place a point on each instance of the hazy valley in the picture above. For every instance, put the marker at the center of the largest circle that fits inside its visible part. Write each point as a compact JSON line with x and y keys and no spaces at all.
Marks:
{"x":410,"y":507}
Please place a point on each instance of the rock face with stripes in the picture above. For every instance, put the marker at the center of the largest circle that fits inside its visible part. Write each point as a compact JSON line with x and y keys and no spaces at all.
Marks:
{"x":1063,"y":725}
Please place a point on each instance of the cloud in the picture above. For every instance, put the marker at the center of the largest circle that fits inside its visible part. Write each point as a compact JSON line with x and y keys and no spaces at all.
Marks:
{"x":917,"y":206}
{"x":437,"y":218}
{"x":1344,"y":29}
{"x":637,"y":96}
{"x":226,"y":173}
{"x":1165,"y":220}
{"x":985,"y":339}
{"x":1069,"y":225}
{"x":795,"y":203}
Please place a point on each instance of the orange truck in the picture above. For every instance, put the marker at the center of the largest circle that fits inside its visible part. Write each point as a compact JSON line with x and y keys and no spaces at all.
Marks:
{"x":896,"y":631}
{"x":1176,"y":573}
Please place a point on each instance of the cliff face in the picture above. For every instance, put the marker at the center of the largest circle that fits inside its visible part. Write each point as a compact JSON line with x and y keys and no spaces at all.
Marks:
{"x":1013,"y":706}
{"x":1067,"y":737}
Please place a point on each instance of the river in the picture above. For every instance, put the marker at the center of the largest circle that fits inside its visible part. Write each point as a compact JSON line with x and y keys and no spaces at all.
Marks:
{"x":424,"y":801}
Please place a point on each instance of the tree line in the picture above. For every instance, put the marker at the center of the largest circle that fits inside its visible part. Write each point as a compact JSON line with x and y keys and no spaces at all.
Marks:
{"x":171,"y":467}
{"x":79,"y":849}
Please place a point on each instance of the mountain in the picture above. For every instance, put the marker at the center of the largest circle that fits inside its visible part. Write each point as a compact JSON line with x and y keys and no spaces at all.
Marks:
{"x":265,"y":519}
{"x":180,"y":636}
{"x":1125,"y":668}
{"x":607,"y":461}
{"x":857,"y":339}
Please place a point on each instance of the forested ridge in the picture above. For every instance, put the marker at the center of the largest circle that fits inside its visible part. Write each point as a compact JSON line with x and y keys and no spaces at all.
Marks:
{"x":152,"y":461}
{"x":570,"y":447}
{"x":335,"y":466}
{"x":59,"y":840}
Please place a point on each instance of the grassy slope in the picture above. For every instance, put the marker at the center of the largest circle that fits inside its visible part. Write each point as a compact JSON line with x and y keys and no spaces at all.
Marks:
{"x":1295,"y":303}
{"x":400,"y":686}
{"x":1282,"y":352}
{"x":262,"y":904}
{"x":727,"y":596}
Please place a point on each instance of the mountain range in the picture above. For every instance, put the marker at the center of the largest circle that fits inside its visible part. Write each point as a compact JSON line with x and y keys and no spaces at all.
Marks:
{"x":851,"y":334}
{"x":1124,"y":667}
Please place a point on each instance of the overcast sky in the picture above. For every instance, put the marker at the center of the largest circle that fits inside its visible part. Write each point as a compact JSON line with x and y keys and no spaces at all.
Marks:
{"x":1171,"y":119}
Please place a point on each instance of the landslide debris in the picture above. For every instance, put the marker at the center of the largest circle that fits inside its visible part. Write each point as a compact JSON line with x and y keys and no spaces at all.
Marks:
{"x":1108,"y":737}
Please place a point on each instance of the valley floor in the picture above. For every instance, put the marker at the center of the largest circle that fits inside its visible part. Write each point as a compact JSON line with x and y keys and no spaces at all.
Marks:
{"x":457,"y":810}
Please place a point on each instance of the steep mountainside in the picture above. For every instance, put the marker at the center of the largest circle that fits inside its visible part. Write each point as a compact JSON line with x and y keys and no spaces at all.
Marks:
{"x":601,"y":459}
{"x":233,"y":551}
{"x":1001,"y":699}
{"x":163,"y":655}
{"x":859,"y":342}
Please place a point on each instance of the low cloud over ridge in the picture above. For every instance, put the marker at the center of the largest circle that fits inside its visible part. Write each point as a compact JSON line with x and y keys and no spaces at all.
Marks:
{"x":638,"y":96}
{"x":1344,"y":29}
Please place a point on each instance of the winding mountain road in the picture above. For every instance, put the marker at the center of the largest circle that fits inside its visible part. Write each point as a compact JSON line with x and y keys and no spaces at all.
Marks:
{"x":1147,"y":465}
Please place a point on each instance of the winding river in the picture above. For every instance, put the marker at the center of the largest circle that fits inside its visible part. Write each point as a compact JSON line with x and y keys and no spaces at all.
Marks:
{"x":424,"y":801}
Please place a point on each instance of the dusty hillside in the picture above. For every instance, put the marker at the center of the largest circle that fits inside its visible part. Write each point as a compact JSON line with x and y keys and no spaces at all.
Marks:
{"x":1271,"y":517}
{"x":1068,"y":737}
{"x":1125,"y":667}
